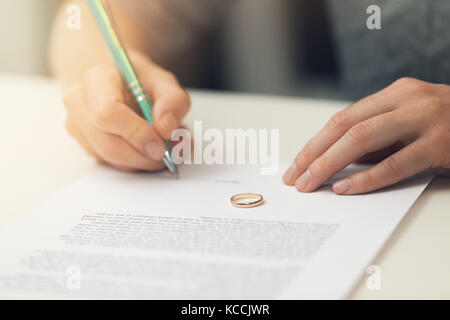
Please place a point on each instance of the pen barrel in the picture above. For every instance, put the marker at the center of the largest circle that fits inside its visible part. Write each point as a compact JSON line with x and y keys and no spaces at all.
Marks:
{"x":142,"y":99}
{"x":146,"y":106}
{"x":126,"y":69}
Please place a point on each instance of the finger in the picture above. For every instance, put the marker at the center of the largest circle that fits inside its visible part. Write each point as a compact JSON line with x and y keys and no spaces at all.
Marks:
{"x":405,"y":163}
{"x":116,"y":151}
{"x":107,"y":112}
{"x":377,"y":156}
{"x":171,"y":103}
{"x":123,"y":168}
{"x":109,"y":147}
{"x":75,"y":132}
{"x":370,"y":135}
{"x":337,"y":126}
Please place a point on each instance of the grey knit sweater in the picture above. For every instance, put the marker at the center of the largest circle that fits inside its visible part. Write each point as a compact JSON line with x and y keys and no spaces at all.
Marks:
{"x":414,"y":41}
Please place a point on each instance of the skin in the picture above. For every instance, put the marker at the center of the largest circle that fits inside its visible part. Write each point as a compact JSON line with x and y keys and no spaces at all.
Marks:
{"x":406,"y":127}
{"x":101,"y":114}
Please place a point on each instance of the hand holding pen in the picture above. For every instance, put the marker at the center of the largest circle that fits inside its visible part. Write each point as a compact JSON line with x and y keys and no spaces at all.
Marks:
{"x":104,"y":117}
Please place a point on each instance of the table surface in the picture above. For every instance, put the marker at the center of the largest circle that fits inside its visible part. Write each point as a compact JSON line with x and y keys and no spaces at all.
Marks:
{"x":39,"y":158}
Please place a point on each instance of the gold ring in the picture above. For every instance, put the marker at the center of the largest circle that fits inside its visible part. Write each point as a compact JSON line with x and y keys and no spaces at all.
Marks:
{"x":250,"y":204}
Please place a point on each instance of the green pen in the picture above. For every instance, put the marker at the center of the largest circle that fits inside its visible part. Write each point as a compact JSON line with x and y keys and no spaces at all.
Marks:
{"x":126,"y":69}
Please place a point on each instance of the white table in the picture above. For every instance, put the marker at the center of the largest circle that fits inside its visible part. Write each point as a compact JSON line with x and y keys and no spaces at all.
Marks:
{"x":39,"y":158}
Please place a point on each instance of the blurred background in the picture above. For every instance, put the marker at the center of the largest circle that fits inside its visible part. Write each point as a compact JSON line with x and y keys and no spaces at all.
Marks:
{"x":24,"y":30}
{"x":268,"y":40}
{"x":310,"y":48}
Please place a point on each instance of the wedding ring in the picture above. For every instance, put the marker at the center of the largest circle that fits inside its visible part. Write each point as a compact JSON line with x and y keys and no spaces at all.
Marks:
{"x":247,"y":196}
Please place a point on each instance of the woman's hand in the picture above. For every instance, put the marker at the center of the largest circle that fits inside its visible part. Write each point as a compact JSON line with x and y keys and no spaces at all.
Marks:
{"x":406,"y":126}
{"x":103,"y":117}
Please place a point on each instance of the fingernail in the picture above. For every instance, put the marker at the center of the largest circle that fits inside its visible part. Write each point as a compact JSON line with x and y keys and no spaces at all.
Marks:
{"x":289,"y":175}
{"x":342,"y":186}
{"x":169,"y":122}
{"x":155,"y":150}
{"x":303,"y":180}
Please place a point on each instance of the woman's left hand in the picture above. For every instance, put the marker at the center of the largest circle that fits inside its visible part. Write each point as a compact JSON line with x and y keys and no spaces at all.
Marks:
{"x":405,"y":126}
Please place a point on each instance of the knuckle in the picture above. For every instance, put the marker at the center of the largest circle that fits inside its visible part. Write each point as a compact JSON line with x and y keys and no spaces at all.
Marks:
{"x":306,"y":154}
{"x":107,"y":151}
{"x":422,"y":89}
{"x":414,"y":86}
{"x":184,"y":99}
{"x":339,"y":120}
{"x":435,"y":105}
{"x":164,"y":76}
{"x":170,"y":76}
{"x":404,"y":81}
{"x":104,"y":115}
{"x":359,"y":132}
{"x":99,"y":69}
{"x":371,"y":99}
{"x":93,"y":72}
{"x":99,"y":73}
{"x":391,"y":166}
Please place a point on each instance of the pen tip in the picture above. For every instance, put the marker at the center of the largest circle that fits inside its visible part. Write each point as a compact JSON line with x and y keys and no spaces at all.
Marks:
{"x":173,"y":168}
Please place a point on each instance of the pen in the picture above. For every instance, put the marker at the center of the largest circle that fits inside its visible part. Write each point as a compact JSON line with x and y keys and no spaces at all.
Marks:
{"x":127,"y":70}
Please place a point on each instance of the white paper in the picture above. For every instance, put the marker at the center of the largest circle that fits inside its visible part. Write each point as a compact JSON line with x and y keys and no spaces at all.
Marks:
{"x":149,"y":236}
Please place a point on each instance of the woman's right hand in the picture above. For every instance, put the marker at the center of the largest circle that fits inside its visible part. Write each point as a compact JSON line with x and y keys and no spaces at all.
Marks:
{"x":103,"y":117}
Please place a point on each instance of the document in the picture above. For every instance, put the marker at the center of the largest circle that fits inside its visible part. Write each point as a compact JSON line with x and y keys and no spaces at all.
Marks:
{"x":114,"y":235}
